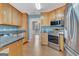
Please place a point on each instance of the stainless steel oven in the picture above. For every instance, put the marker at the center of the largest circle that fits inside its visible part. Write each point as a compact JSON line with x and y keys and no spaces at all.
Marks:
{"x":53,"y":41}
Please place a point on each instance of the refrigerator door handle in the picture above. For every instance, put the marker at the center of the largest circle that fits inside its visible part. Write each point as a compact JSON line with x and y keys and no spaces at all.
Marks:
{"x":71,"y":51}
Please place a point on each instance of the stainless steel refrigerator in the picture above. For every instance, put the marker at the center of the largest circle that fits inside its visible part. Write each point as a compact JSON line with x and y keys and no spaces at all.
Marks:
{"x":71,"y":30}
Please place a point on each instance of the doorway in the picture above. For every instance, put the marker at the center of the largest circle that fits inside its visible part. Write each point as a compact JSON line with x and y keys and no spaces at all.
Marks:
{"x":34,"y":28}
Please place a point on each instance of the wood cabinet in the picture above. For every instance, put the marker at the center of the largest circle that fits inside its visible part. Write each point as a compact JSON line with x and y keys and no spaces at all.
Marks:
{"x":61,"y":42}
{"x":44,"y":38}
{"x":15,"y":17}
{"x":52,"y":15}
{"x":45,"y":19}
{"x":15,"y":49}
{"x":5,"y":14}
{"x":20,"y":19}
{"x":25,"y":27}
{"x":60,"y":13}
{"x":10,"y":15}
{"x":1,"y":13}
{"x":56,"y":14}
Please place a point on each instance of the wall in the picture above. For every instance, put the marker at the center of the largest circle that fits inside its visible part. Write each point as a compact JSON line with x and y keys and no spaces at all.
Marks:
{"x":32,"y":18}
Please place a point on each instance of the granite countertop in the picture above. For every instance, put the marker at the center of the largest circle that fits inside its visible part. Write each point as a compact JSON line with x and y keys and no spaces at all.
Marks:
{"x":9,"y":40}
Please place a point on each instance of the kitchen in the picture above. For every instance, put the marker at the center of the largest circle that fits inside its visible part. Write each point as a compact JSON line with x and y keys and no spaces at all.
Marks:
{"x":51,"y":25}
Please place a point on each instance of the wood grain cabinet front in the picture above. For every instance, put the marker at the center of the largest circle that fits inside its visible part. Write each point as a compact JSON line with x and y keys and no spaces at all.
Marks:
{"x":44,"y":38}
{"x":61,"y":42}
{"x":45,"y":19}
{"x":10,"y":15}
{"x":20,"y":19}
{"x":15,"y":49}
{"x":5,"y":14}
{"x":60,"y":13}
{"x":25,"y":27}
{"x":1,"y":14}
{"x":15,"y":17}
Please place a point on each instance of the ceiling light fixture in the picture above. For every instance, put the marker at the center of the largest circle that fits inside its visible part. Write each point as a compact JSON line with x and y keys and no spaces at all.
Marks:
{"x":38,"y":6}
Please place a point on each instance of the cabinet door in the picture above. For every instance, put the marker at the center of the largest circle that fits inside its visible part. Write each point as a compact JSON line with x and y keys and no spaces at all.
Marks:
{"x":19,"y":48}
{"x":5,"y":14}
{"x":44,"y":39}
{"x":52,"y":16}
{"x":24,"y":20}
{"x":24,"y":26}
{"x":15,"y":49}
{"x":45,"y":19}
{"x":15,"y":17}
{"x":1,"y":14}
{"x":20,"y":19}
{"x":60,"y":13}
{"x":8,"y":14}
{"x":61,"y":42}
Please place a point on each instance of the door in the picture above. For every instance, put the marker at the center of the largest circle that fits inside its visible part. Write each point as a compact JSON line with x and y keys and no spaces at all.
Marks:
{"x":36,"y":27}
{"x":72,"y":27}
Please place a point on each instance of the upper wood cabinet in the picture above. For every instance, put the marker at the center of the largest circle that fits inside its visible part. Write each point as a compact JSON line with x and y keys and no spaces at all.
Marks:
{"x":25,"y":26}
{"x":20,"y":19}
{"x":56,"y":14}
{"x":45,"y":19}
{"x":5,"y":14}
{"x":1,"y":13}
{"x":52,"y":15}
{"x":24,"y":21}
{"x":15,"y":17}
{"x":60,"y":13}
{"x":10,"y":15}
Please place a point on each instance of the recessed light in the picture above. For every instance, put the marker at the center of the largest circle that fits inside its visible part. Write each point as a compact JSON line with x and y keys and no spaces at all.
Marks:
{"x":38,"y":6}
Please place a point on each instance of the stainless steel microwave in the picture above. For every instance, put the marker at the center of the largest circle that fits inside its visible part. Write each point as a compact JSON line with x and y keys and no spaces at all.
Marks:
{"x":57,"y":23}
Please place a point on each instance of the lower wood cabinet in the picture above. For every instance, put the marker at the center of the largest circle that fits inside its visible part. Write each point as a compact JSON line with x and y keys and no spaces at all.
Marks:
{"x":61,"y":42}
{"x":25,"y":40}
{"x":15,"y":49}
{"x":44,"y":38}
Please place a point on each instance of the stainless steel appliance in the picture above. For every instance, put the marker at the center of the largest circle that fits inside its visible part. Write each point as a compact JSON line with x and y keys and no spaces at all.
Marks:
{"x":53,"y":37}
{"x":71,"y":29}
{"x":56,"y":23}
{"x":53,"y":41}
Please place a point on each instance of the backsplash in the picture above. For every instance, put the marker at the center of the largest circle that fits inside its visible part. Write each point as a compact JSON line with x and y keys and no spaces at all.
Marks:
{"x":50,"y":29}
{"x":6,"y":27}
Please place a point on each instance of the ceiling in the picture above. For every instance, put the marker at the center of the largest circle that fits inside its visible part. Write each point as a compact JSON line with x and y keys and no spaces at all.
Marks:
{"x":31,"y":9}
